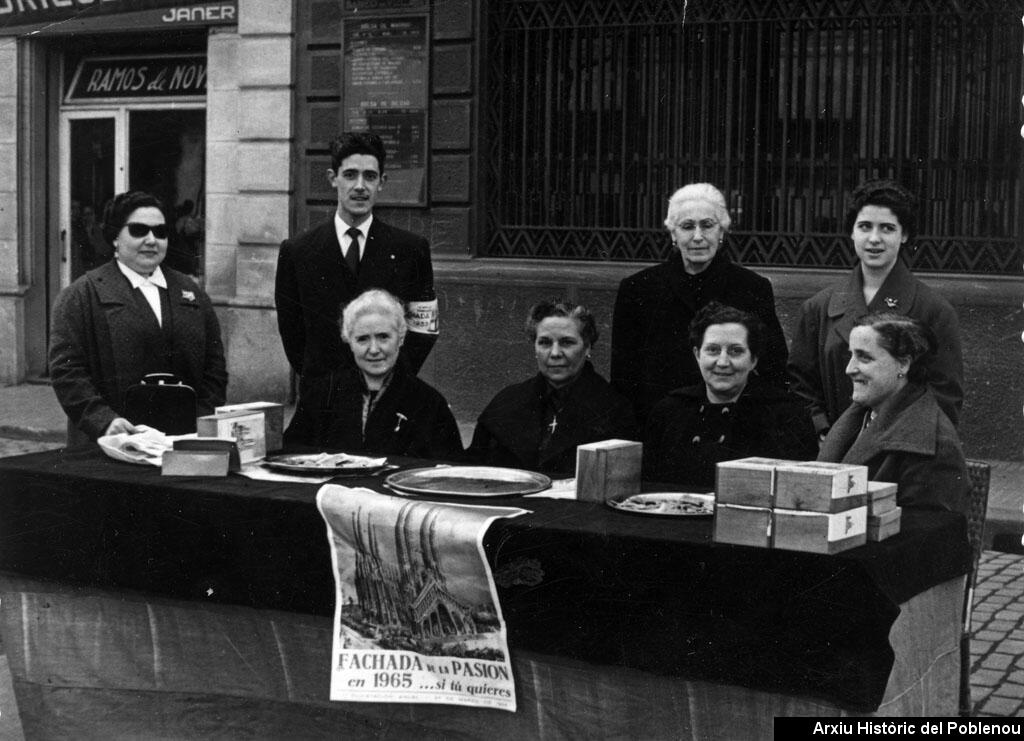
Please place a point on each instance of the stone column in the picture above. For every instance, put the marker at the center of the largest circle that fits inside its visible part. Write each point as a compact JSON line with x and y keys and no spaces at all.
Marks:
{"x":248,"y":176}
{"x":12,"y":302}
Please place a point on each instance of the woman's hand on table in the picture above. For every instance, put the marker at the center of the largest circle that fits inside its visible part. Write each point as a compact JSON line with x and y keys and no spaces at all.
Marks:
{"x":119,"y":425}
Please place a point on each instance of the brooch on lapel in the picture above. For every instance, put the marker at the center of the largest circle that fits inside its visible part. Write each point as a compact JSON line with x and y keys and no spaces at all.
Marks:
{"x":891,"y":302}
{"x":188,"y":296}
{"x":400,"y":419}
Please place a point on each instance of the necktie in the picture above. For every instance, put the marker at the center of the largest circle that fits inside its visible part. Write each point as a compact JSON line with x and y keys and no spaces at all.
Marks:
{"x":352,"y":256}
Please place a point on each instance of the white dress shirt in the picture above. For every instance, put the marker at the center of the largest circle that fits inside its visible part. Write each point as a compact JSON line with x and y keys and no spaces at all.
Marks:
{"x":150,"y":287}
{"x":341,"y":228}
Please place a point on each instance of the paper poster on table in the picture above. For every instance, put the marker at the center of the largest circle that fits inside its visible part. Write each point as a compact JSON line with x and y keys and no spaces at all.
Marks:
{"x":416,"y":615}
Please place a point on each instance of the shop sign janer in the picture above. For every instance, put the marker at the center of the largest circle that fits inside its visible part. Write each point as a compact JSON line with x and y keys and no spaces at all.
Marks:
{"x":56,"y":17}
{"x":139,"y":77}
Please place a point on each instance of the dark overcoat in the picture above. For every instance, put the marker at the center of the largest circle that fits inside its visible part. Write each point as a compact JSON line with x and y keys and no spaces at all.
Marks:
{"x":104,"y":338}
{"x":510,"y":429}
{"x":651,"y":350}
{"x":314,"y":283}
{"x":687,"y":436}
{"x":911,"y":443}
{"x":821,"y":349}
{"x":410,"y":418}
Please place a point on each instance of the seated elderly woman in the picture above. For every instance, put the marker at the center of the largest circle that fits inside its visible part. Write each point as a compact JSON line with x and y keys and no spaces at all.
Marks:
{"x":128,"y":318}
{"x":895,"y":425}
{"x":538,"y":423}
{"x":732,"y":414}
{"x":379,"y":406}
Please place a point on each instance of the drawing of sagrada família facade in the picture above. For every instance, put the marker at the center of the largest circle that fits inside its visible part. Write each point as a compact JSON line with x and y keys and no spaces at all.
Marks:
{"x":408,"y":596}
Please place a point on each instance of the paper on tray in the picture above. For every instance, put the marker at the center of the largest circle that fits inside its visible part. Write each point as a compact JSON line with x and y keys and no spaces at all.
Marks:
{"x":257,"y":472}
{"x":560,"y":489}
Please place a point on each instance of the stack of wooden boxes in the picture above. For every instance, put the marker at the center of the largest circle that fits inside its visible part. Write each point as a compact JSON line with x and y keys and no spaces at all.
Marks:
{"x":797,"y":505}
{"x":883,"y":512}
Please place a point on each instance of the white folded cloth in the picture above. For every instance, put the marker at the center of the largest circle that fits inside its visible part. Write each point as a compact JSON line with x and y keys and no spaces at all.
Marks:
{"x":146,"y":445}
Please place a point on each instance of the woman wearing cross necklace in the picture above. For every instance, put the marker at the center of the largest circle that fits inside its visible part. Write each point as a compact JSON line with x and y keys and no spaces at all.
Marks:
{"x":537,"y":424}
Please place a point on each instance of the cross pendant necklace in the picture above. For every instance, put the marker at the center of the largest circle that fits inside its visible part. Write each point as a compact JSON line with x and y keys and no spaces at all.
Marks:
{"x":554,"y":424}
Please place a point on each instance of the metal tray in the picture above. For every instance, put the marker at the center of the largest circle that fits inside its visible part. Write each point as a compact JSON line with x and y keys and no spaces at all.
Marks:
{"x":666,"y":504}
{"x":468,"y":481}
{"x":322,"y":464}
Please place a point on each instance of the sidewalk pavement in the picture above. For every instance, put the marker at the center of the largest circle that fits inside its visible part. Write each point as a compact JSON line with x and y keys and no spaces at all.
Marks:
{"x":32,"y":420}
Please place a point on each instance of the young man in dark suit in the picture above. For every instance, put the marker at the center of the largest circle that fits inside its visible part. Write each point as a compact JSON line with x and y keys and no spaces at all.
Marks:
{"x":320,"y":271}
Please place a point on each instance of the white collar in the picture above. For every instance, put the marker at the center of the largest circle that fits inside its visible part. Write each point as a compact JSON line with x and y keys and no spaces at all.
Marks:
{"x":137,"y":280}
{"x":341,"y":226}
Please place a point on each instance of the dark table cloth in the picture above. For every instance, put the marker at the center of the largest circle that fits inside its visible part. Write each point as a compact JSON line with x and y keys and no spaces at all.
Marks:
{"x":575,"y":579}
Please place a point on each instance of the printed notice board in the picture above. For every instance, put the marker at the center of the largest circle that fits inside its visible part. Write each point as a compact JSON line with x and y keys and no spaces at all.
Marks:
{"x":386,"y":63}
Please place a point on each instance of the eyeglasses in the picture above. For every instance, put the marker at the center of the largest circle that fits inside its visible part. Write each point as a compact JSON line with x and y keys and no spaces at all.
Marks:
{"x":139,"y":230}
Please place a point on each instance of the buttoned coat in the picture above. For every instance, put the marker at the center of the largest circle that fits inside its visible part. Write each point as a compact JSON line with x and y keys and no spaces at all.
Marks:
{"x":911,"y":443}
{"x":651,"y":349}
{"x":314,"y":283}
{"x":410,"y":418}
{"x":765,"y":421}
{"x":821,"y":350}
{"x":102,"y":340}
{"x":510,"y":429}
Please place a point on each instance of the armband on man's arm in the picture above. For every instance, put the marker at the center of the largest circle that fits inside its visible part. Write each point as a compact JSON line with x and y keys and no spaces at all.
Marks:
{"x":421,"y":317}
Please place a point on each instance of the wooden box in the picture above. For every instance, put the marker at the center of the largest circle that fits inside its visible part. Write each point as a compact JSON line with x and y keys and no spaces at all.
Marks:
{"x":820,"y":532}
{"x":881,"y":497}
{"x":884,"y":525}
{"x":749,"y":482}
{"x":608,"y":469}
{"x":247,"y":429}
{"x":817,"y":486}
{"x":742,"y":525}
{"x":273,"y":419}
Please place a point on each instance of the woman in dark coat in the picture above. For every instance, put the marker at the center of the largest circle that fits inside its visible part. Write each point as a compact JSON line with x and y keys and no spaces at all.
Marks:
{"x":895,"y":425}
{"x":538,"y":423}
{"x":731,"y":414}
{"x":379,"y":407}
{"x":651,"y":352}
{"x":881,"y":220}
{"x":128,"y":318}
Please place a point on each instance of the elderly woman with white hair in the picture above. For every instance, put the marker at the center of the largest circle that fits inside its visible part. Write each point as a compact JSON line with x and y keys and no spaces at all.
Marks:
{"x":379,"y":407}
{"x":651,"y":352}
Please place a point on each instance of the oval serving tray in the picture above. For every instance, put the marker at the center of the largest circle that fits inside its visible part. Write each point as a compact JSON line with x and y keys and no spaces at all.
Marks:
{"x":468,"y":481}
{"x":666,"y":504}
{"x":321,"y":464}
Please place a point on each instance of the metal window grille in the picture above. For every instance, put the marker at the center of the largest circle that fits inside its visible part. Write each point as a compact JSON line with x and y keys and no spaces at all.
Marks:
{"x":597,"y":110}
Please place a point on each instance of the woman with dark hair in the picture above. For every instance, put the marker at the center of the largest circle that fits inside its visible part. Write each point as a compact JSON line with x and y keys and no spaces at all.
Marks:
{"x":128,"y":318}
{"x":895,"y":426}
{"x":379,"y":406}
{"x":731,"y":414}
{"x":650,"y":350}
{"x":538,"y":423}
{"x":881,"y":221}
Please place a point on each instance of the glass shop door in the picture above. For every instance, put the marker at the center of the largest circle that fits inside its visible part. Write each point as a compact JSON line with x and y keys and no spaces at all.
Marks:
{"x":92,"y":171}
{"x":107,"y":151}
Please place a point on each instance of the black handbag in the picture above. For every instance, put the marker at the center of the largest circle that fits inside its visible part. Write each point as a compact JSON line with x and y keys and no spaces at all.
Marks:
{"x":162,"y":401}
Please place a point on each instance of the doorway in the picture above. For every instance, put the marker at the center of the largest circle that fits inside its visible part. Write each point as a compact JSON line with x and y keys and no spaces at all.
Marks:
{"x":105,"y":151}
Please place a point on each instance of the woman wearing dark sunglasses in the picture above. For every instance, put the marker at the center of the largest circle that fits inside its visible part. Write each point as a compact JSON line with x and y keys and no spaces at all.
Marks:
{"x":129,"y":318}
